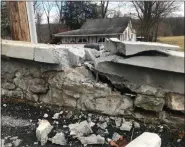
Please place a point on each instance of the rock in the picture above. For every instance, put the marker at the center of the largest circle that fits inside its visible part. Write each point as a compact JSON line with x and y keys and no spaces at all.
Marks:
{"x":126,"y":126}
{"x":17,"y":142}
{"x":2,"y":143}
{"x":118,"y":122}
{"x":92,"y":139}
{"x":56,"y":116}
{"x":42,"y":131}
{"x":90,"y":55}
{"x":45,"y":115}
{"x":103,"y":125}
{"x":11,"y":93}
{"x":38,"y":86}
{"x":80,"y":129}
{"x":179,"y":140}
{"x":4,"y":105}
{"x":175,"y":101}
{"x":8,"y":86}
{"x":8,"y":145}
{"x":91,"y":124}
{"x":149,"y":103}
{"x":59,"y":138}
{"x":136,"y":125}
{"x":14,"y":138}
{"x":115,"y":136}
{"x":146,"y":139}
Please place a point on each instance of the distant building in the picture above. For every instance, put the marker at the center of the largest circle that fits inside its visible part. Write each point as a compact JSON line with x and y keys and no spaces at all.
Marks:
{"x":96,"y":30}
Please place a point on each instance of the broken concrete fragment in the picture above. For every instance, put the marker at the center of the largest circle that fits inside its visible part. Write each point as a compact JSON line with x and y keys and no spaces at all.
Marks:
{"x":92,"y":139}
{"x":42,"y":131}
{"x":118,"y":121}
{"x":136,"y":124}
{"x":17,"y":142}
{"x":80,"y":129}
{"x":150,"y":103}
{"x":59,"y":138}
{"x":126,"y":126}
{"x":103,"y":125}
{"x":146,"y":139}
{"x":115,"y":136}
{"x":175,"y":101}
{"x":56,"y":116}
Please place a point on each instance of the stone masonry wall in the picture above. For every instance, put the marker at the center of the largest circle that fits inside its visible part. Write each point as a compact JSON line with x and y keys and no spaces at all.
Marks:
{"x":77,"y":87}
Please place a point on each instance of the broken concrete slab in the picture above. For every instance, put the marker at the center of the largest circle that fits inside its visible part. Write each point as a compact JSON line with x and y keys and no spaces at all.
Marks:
{"x":59,"y":139}
{"x":92,"y":139}
{"x":150,"y":103}
{"x":127,"y":48}
{"x":80,"y":129}
{"x":126,"y":126}
{"x":175,"y":101}
{"x":42,"y":131}
{"x":146,"y":139}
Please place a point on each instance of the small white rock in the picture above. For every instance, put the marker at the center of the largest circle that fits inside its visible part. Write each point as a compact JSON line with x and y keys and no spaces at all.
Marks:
{"x":61,"y":112}
{"x":92,"y":139}
{"x":56,"y":116}
{"x":43,"y":130}
{"x":136,"y":125}
{"x":179,"y":140}
{"x":35,"y":143}
{"x":17,"y":142}
{"x":4,"y":105}
{"x":118,"y":122}
{"x":91,"y":124}
{"x":103,"y":125}
{"x":59,"y":138}
{"x":45,"y":115}
{"x":126,"y":126}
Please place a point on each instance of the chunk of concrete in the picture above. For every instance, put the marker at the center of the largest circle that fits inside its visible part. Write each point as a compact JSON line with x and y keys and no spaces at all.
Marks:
{"x":42,"y":131}
{"x":175,"y":101}
{"x":59,"y":138}
{"x":80,"y":129}
{"x":146,"y":139}
{"x":127,"y":48}
{"x":92,"y":139}
{"x":150,"y":103}
{"x":126,"y":126}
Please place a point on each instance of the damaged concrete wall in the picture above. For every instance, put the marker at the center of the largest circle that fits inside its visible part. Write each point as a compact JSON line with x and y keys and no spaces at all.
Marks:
{"x":77,"y":87}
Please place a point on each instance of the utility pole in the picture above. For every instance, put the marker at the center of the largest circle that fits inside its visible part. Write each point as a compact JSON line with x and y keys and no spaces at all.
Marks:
{"x":21,"y":21}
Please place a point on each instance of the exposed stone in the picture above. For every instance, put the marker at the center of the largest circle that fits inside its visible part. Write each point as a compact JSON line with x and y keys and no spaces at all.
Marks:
{"x":92,"y":139}
{"x":80,"y":129}
{"x":149,"y":102}
{"x":9,"y":86}
{"x":126,"y":126}
{"x":118,"y":121}
{"x":115,"y":136}
{"x":11,"y":93}
{"x":17,"y":142}
{"x":103,"y":125}
{"x":146,"y":139}
{"x":175,"y":101}
{"x":45,"y":115}
{"x":42,"y":131}
{"x":56,"y":116}
{"x":59,"y":138}
{"x":136,"y":125}
{"x":172,"y":120}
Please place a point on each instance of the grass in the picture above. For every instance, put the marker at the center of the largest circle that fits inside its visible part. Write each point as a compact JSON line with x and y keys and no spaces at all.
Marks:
{"x":174,"y":40}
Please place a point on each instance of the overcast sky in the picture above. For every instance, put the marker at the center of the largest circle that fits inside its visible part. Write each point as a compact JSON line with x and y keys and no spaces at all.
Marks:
{"x":124,"y":7}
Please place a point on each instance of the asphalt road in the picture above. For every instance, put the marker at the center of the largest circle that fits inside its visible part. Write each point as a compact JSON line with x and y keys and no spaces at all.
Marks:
{"x":19,"y":122}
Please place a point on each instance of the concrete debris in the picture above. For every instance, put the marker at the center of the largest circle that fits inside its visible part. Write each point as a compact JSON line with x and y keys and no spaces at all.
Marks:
{"x":56,"y":116}
{"x":126,"y":126}
{"x":8,"y":145}
{"x":80,"y":129}
{"x":35,"y":143}
{"x":136,"y":124}
{"x":45,"y":115}
{"x":91,"y":124}
{"x":61,"y":112}
{"x":17,"y":142}
{"x":115,"y":136}
{"x":42,"y":131}
{"x":103,"y":125}
{"x":146,"y":139}
{"x":14,"y":138}
{"x":118,"y":122}
{"x":59,"y":138}
{"x":92,"y":139}
{"x":4,"y":105}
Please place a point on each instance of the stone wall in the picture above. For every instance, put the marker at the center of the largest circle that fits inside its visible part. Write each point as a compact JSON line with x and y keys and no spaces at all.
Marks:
{"x":77,"y":87}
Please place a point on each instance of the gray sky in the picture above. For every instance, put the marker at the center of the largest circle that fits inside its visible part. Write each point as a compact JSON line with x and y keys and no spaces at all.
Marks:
{"x":124,"y":7}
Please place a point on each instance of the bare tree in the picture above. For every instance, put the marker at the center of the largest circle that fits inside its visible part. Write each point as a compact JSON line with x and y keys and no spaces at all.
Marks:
{"x":150,"y":13}
{"x":104,"y":8}
{"x":60,"y":6}
{"x":47,"y":7}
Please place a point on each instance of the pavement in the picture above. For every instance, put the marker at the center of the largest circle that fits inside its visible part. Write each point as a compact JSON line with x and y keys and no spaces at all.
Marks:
{"x":19,"y":121}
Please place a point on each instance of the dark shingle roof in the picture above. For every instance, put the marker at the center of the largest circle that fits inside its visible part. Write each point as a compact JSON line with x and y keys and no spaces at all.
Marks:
{"x":94,"y":27}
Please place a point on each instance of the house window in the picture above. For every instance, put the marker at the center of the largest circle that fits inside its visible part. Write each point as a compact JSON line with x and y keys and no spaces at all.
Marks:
{"x":102,"y":39}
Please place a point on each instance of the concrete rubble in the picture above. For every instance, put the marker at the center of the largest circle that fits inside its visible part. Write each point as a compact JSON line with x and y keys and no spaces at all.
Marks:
{"x":59,"y":138}
{"x":80,"y":129}
{"x":126,"y":126}
{"x":146,"y":140}
{"x":43,"y":130}
{"x":92,"y":139}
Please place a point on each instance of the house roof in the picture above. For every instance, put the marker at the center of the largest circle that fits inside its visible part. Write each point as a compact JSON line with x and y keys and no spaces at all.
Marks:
{"x":95,"y":27}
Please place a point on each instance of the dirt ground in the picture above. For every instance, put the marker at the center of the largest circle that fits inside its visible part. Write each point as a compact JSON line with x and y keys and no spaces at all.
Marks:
{"x":20,"y":119}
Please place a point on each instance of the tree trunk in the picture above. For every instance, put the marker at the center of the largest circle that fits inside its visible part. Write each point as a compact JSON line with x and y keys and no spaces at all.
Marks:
{"x":19,"y":20}
{"x":49,"y":28}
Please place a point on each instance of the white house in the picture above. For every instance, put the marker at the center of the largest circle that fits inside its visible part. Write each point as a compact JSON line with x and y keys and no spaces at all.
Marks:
{"x":96,"y":30}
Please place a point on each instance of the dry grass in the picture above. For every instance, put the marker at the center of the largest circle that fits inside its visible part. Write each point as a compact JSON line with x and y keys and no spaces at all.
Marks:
{"x":174,"y":40}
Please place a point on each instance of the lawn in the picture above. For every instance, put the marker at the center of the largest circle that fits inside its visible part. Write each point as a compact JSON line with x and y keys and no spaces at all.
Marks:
{"x":175,"y":40}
